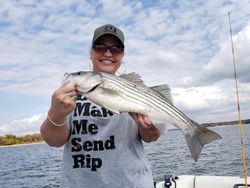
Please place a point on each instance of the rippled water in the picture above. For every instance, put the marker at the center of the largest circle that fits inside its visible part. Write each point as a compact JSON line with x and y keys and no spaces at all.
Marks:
{"x":170,"y":154}
{"x":35,"y":165}
{"x":39,"y":165}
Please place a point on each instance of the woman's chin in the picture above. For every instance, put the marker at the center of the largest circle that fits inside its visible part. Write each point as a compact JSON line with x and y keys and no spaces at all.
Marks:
{"x":108,"y":69}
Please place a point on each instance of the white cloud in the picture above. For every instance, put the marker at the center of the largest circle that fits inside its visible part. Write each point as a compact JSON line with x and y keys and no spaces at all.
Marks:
{"x":23,"y":126}
{"x":221,"y":65}
{"x":184,"y":44}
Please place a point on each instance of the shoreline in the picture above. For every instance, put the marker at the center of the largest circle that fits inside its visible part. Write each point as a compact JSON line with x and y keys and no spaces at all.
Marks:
{"x":226,"y":123}
{"x":17,"y":145}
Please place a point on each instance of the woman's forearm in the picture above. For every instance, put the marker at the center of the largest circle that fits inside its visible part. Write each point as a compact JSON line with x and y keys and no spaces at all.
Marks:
{"x":54,"y":135}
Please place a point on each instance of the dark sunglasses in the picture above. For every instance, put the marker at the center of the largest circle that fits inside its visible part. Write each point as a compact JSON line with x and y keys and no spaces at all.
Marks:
{"x":103,"y":48}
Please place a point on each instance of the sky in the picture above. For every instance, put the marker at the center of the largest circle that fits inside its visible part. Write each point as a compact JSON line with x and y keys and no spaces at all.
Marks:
{"x":185,"y":44}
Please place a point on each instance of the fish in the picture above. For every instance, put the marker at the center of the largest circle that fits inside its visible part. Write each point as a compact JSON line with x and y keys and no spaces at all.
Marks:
{"x":128,"y":93}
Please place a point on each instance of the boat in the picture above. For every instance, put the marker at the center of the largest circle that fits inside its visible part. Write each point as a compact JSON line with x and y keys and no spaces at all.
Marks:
{"x":202,"y":181}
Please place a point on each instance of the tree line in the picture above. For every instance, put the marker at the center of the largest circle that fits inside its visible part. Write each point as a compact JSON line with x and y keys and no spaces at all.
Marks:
{"x":244,"y":121}
{"x":11,"y":139}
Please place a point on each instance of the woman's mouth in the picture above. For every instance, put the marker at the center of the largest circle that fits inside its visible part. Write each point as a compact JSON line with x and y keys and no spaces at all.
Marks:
{"x":107,"y":61}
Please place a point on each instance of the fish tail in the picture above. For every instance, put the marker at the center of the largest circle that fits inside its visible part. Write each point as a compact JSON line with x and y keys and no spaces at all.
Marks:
{"x":201,"y":137}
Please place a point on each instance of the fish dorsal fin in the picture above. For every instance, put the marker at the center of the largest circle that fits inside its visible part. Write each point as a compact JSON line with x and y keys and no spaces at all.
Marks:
{"x":164,"y":90}
{"x":133,"y":77}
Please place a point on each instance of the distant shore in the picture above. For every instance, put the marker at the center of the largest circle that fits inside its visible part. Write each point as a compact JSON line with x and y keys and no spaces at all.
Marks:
{"x":11,"y":139}
{"x":16,"y":145}
{"x":226,"y":123}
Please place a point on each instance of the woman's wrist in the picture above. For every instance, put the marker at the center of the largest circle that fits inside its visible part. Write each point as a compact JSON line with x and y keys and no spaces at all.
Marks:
{"x":57,"y":122}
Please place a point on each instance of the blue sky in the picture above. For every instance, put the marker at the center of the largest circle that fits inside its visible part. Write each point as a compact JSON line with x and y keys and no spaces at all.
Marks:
{"x":185,"y":44}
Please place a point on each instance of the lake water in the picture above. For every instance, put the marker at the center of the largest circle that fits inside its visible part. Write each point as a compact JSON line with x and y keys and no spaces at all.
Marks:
{"x":39,"y":165}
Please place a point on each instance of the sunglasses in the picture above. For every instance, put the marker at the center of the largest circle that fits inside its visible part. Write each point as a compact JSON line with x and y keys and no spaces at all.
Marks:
{"x":103,"y":48}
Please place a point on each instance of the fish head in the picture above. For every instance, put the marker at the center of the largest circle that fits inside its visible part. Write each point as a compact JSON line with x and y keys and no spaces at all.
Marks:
{"x":87,"y":82}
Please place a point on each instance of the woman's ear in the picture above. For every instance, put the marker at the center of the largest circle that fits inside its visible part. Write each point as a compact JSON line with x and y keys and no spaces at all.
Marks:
{"x":90,"y":53}
{"x":123,"y":53}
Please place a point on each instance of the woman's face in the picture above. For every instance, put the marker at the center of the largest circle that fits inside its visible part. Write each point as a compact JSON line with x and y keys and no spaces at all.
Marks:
{"x":107,"y":60}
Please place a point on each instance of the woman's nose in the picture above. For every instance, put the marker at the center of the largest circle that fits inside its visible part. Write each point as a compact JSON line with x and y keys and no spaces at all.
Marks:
{"x":107,"y":53}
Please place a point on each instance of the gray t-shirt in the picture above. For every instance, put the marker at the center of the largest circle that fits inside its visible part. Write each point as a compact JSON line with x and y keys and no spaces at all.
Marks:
{"x":104,"y":150}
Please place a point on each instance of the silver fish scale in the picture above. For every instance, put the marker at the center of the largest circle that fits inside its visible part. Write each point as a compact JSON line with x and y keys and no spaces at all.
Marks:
{"x":131,"y":91}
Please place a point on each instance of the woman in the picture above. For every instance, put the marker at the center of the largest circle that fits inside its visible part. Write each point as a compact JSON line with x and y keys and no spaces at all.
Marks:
{"x":101,"y":149}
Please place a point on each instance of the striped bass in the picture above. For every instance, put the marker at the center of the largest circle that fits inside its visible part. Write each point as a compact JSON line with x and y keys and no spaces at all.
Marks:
{"x":128,"y":93}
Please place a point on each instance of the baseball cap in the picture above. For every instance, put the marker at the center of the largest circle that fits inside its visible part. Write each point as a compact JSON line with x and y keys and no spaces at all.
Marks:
{"x":108,"y":29}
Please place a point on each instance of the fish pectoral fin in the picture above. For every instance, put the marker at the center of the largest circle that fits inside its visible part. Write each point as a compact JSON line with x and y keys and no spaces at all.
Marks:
{"x":162,"y":127}
{"x":113,"y":94}
{"x":165,"y":91}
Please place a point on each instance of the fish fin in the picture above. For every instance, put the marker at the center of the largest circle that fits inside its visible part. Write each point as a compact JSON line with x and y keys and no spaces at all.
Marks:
{"x":162,"y":127}
{"x":206,"y":135}
{"x":165,"y":91}
{"x":114,"y":93}
{"x":133,"y":77}
{"x":201,"y":137}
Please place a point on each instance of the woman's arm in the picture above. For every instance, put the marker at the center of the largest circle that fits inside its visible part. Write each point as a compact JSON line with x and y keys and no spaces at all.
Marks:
{"x":54,"y":129}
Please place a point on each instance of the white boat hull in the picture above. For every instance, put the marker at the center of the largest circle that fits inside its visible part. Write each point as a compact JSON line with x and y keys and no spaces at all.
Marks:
{"x":191,"y":181}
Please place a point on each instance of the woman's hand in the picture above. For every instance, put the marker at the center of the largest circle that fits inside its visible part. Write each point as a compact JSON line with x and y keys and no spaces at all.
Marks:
{"x":147,"y":130}
{"x":63,"y":102}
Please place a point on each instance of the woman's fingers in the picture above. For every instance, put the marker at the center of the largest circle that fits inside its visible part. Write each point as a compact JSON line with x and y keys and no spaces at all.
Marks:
{"x":142,"y":120}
